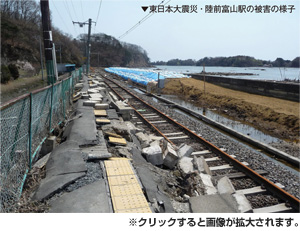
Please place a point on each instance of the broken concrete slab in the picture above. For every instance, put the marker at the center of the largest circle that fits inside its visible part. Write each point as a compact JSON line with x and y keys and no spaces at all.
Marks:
{"x":91,"y":198}
{"x":102,"y":106}
{"x":212,"y":204}
{"x":117,"y":141}
{"x":153,"y":154}
{"x":154,"y":138}
{"x":65,"y":162}
{"x":243,"y":204}
{"x":51,"y":185}
{"x":208,"y":185}
{"x":91,"y":103}
{"x":42,"y":162}
{"x":201,"y":165}
{"x":151,"y":183}
{"x":82,"y":130}
{"x":184,"y":150}
{"x":224,"y":185}
{"x":185,"y":164}
{"x":112,"y":114}
{"x":144,"y":139}
{"x":170,"y":157}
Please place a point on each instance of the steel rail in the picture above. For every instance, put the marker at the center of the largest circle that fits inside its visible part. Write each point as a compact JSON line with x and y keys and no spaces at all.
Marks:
{"x":289,"y":199}
{"x":141,"y":116}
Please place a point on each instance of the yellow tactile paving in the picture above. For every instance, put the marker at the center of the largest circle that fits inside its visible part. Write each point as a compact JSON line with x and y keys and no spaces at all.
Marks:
{"x":125,"y":190}
{"x":122,"y":180}
{"x":126,"y":193}
{"x":135,"y":210}
{"x":129,"y":202}
{"x":103,"y":121}
{"x":115,"y":140}
{"x":119,"y":171}
{"x":100,"y":113}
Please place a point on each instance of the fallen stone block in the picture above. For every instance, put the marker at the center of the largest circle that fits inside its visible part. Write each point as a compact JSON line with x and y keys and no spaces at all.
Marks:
{"x":102,"y":106}
{"x":184,"y":150}
{"x":208,"y":185}
{"x":153,"y":154}
{"x":78,"y":85}
{"x":170,"y":157}
{"x":144,"y":139}
{"x":153,"y":137}
{"x":90,"y":103}
{"x":186,"y":165}
{"x":225,"y":186}
{"x":201,"y":165}
{"x":91,"y":91}
{"x":93,"y":85}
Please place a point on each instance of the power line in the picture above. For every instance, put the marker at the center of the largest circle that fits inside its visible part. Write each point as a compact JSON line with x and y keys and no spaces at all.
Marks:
{"x":61,"y":17}
{"x":69,"y":12}
{"x":98,"y":15}
{"x":141,"y":21}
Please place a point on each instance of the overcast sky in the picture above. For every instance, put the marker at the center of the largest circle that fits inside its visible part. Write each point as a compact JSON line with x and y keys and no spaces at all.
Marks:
{"x":188,"y":35}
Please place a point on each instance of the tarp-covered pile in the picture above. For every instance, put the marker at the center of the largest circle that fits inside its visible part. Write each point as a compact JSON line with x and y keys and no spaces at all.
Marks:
{"x":143,"y":76}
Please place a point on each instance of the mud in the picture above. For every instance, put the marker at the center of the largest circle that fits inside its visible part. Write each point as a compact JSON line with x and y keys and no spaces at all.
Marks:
{"x":277,"y":117}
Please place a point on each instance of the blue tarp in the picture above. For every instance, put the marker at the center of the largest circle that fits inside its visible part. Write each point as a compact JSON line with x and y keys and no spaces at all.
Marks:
{"x":138,"y":76}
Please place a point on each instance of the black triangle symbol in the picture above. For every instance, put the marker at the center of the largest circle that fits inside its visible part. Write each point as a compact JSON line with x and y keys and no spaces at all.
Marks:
{"x":145,"y":8}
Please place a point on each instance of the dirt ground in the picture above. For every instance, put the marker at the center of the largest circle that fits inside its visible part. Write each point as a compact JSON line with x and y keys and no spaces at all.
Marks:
{"x":274,"y":116}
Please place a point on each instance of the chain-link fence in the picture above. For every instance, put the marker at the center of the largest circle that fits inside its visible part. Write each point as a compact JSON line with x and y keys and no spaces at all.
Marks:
{"x":25,"y":123}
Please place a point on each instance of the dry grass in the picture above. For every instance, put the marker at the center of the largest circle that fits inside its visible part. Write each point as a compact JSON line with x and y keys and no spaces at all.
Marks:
{"x":21,"y":86}
{"x":275,"y":116}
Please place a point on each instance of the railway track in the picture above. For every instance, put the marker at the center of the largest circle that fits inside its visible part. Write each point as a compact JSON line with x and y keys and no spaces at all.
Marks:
{"x":263,"y":195}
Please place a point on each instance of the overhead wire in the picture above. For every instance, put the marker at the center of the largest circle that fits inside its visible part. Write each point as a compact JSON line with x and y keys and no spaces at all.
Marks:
{"x":75,"y":11}
{"x":98,"y":14}
{"x":69,"y":12}
{"x":82,"y":14}
{"x":141,"y":21}
{"x":61,"y":17}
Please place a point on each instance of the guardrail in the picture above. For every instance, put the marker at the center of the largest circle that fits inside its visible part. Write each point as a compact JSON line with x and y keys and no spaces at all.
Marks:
{"x":26,"y":121}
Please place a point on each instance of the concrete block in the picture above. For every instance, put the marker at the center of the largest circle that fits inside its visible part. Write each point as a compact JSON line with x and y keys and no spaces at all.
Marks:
{"x":243,"y":205}
{"x":225,"y":186}
{"x":153,"y":154}
{"x":170,"y":157}
{"x":144,"y":139}
{"x":208,"y":185}
{"x":152,"y":137}
{"x":102,"y":106}
{"x":184,"y":150}
{"x":78,"y":85}
{"x":93,"y":85}
{"x":85,"y":96}
{"x":201,"y":165}
{"x":212,"y":204}
{"x":48,"y":145}
{"x":90,"y":103}
{"x":124,"y":110}
{"x":185,"y":164}
{"x":91,"y":91}
{"x":96,"y":95}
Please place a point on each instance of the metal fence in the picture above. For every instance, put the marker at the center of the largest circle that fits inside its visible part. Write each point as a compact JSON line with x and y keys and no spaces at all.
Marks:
{"x":25,"y":122}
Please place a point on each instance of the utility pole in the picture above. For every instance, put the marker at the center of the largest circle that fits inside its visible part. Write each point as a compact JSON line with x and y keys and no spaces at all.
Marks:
{"x":81,"y":24}
{"x":41,"y":54}
{"x":48,"y":45}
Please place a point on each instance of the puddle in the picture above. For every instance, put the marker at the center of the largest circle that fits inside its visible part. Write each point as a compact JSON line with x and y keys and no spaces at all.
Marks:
{"x":235,"y":125}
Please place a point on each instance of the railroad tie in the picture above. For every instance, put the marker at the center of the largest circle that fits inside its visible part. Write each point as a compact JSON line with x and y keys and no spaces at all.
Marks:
{"x":256,"y":190}
{"x":223,"y":167}
{"x":178,"y":138}
{"x":279,"y":208}
{"x":126,"y":192}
